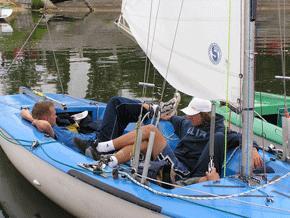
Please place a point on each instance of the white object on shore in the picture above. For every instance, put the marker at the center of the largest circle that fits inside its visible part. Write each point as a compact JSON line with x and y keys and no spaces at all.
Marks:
{"x":80,"y":116}
{"x":5,"y":12}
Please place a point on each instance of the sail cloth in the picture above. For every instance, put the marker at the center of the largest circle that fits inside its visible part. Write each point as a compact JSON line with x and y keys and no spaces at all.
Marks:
{"x":190,"y":43}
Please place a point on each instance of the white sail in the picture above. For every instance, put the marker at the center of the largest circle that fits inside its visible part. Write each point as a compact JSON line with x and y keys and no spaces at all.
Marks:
{"x":194,"y":56}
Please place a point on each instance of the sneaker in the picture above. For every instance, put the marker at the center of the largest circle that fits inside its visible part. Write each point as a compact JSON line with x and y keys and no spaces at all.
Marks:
{"x":88,"y":147}
{"x":81,"y":144}
{"x":84,"y":144}
{"x":170,"y":107}
{"x":93,"y":153}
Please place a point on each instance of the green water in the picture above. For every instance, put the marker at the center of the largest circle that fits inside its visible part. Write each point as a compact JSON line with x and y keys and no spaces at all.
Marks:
{"x":94,"y":60}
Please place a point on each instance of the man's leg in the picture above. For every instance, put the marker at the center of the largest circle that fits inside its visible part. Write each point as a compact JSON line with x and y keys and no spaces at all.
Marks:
{"x":119,"y":113}
{"x":202,"y":164}
{"x":179,"y":168}
{"x":124,"y":145}
{"x":129,"y":139}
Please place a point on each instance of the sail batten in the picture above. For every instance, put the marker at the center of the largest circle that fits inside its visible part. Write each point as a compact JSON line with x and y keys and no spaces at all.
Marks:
{"x":195,"y":61}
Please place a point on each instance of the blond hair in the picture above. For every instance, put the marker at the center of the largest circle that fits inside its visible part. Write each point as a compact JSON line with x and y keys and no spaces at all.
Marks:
{"x":41,"y":109}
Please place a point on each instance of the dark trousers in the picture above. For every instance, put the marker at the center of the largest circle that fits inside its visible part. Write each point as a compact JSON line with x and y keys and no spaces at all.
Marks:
{"x":119,"y":113}
{"x":202,"y":164}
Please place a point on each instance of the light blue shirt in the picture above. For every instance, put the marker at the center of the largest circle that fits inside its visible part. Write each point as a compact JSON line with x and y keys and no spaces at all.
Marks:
{"x":66,"y":136}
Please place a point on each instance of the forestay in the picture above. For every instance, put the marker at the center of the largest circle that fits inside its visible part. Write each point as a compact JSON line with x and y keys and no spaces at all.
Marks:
{"x":191,"y":43}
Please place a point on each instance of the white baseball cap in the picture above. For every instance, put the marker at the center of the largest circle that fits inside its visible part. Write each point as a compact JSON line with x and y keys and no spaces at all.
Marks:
{"x":197,"y":105}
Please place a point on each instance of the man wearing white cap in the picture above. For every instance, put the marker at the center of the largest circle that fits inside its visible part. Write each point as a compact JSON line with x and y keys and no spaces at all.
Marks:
{"x":194,"y":132}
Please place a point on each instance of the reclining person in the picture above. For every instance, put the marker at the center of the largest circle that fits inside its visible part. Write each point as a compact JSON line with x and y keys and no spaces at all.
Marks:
{"x":194,"y":132}
{"x":118,"y":114}
{"x":44,"y":118}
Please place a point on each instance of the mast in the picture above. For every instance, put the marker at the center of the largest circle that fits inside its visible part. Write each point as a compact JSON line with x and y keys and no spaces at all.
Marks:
{"x":248,"y":86}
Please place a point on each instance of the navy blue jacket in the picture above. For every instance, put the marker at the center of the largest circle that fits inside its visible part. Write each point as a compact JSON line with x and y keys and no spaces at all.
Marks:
{"x":194,"y":139}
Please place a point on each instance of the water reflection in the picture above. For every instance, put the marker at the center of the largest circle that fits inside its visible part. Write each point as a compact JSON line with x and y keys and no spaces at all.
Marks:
{"x":87,"y":51}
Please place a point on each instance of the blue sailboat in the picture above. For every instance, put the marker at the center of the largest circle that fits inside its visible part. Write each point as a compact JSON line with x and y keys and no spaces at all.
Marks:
{"x":55,"y":169}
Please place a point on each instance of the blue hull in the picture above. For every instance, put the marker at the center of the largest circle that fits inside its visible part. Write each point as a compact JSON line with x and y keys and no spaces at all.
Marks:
{"x":229,"y":197}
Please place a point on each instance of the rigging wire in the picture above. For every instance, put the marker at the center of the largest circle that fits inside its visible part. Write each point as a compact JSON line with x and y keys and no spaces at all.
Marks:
{"x":54,"y":57}
{"x":282,"y":50}
{"x":171,"y":51}
{"x":262,"y":127}
{"x":154,"y":79}
{"x":227,"y":83}
{"x":151,"y":49}
{"x":147,"y":45}
{"x":20,"y":51}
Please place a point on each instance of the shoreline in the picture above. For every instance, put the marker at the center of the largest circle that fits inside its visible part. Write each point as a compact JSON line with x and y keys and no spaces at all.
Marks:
{"x":106,"y":6}
{"x":70,"y":6}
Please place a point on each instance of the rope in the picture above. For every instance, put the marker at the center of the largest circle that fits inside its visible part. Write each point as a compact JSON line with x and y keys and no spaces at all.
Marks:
{"x":12,"y":140}
{"x":151,"y":49}
{"x":259,"y":115}
{"x":154,"y":78}
{"x":34,"y":28}
{"x":171,"y":51}
{"x":55,"y":61}
{"x":227,"y":84}
{"x":215,"y":197}
{"x":147,"y":45}
{"x":123,"y":7}
{"x":16,"y":141}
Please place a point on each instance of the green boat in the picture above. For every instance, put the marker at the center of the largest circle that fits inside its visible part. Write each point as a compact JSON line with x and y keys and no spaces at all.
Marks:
{"x":269,"y":110}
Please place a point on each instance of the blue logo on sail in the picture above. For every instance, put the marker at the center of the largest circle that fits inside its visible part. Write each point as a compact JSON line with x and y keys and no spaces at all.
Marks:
{"x":214,"y":53}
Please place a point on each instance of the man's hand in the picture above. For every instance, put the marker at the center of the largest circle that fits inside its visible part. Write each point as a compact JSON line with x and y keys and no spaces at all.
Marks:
{"x":44,"y":126}
{"x":256,"y":159}
{"x":213,"y":175}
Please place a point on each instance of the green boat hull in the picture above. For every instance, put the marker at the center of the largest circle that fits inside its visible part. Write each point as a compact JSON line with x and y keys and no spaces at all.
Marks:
{"x":270,"y":107}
